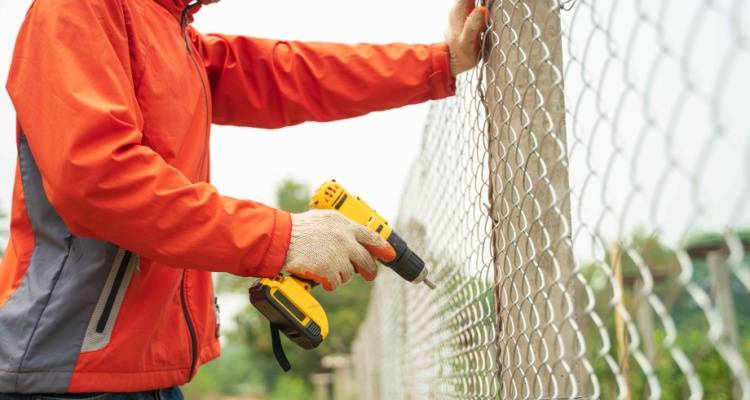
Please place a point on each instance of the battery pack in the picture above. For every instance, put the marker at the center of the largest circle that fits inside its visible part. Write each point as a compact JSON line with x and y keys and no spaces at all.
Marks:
{"x":290,"y":307}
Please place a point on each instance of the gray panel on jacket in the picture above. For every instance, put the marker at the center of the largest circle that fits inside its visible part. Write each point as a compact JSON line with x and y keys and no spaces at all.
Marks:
{"x":43,"y":324}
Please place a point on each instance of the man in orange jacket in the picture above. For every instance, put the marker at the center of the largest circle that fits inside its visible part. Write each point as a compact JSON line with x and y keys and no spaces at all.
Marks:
{"x":106,"y":281}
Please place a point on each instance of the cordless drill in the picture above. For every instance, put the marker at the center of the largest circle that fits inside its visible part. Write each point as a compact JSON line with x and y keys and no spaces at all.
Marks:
{"x":286,"y":300}
{"x":332,"y":196}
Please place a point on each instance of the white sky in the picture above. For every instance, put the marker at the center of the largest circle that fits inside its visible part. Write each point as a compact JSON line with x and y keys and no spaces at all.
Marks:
{"x":249,"y":163}
{"x":687,"y":170}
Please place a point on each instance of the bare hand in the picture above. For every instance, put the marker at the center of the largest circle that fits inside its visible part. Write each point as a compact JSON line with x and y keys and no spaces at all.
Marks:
{"x":463,"y":36}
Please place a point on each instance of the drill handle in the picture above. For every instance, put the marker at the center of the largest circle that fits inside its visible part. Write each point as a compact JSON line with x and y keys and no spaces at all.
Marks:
{"x":309,"y":284}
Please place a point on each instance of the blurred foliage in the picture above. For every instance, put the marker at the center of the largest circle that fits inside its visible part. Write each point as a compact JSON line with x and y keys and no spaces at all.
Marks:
{"x":293,"y":196}
{"x":232,"y":374}
{"x":248,"y":366}
{"x":690,"y":321}
{"x":714,"y":238}
{"x":291,"y":387}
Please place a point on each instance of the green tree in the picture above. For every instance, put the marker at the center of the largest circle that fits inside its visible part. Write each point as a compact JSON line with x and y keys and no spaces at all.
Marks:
{"x":292,"y":196}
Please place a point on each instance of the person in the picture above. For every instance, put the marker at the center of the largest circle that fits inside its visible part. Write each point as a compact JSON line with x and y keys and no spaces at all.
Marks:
{"x":105,"y":287}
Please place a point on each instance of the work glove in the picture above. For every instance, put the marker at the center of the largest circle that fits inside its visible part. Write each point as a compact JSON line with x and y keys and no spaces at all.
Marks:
{"x":463,"y":35}
{"x":326,"y":247}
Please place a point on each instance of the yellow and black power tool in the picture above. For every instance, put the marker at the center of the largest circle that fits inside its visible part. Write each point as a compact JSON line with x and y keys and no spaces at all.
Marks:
{"x":286,"y":300}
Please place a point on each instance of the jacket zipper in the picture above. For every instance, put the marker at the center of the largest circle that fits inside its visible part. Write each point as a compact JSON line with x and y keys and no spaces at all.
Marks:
{"x":101,"y":325}
{"x":191,"y":328}
{"x":183,"y":296}
{"x":204,"y":88}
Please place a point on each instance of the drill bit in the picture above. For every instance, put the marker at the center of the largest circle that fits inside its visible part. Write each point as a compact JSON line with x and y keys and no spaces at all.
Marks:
{"x":429,"y":284}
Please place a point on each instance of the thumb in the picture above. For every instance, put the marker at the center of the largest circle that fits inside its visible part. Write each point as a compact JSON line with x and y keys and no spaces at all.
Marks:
{"x":475,"y":23}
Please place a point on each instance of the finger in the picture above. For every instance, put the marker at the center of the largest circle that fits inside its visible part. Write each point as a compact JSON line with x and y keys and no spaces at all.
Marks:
{"x":460,"y":10}
{"x":367,"y":236}
{"x":367,"y":274}
{"x":364,"y":263}
{"x":375,"y":244}
{"x":486,"y":14}
{"x":322,"y":281}
{"x":347,"y":273}
{"x":469,"y":6}
{"x":331,"y":282}
{"x":385,"y":254}
{"x":475,"y":24}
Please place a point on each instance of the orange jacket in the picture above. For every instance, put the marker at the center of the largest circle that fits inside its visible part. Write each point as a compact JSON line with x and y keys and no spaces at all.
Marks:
{"x":115,"y":230}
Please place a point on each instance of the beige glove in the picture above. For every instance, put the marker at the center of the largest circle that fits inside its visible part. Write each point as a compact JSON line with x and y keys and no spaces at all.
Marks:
{"x":463,"y":35}
{"x":327,"y":247}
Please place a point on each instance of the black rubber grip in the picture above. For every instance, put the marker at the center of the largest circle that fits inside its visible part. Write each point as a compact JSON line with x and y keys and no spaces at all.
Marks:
{"x":407,"y":264}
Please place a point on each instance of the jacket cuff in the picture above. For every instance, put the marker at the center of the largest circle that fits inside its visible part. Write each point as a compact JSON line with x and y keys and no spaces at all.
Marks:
{"x":442,"y":81}
{"x":275,"y":256}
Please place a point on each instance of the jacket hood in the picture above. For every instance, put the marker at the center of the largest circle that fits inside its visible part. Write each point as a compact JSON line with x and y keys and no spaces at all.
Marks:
{"x":176,"y":7}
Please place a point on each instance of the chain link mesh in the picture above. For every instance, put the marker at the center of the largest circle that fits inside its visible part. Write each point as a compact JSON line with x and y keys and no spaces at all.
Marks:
{"x":582,"y":205}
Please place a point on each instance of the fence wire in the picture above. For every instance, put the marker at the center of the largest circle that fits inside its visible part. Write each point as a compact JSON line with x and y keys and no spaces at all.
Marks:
{"x":582,"y":204}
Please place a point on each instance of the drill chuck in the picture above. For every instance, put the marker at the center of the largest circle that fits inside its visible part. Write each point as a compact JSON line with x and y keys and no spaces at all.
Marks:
{"x":407,"y":263}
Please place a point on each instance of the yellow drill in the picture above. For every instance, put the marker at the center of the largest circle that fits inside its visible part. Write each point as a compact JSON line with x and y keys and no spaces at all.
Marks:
{"x":332,"y":196}
{"x":286,"y":300}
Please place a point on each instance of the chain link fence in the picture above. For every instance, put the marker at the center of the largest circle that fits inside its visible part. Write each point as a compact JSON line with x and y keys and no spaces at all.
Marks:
{"x":583,"y":206}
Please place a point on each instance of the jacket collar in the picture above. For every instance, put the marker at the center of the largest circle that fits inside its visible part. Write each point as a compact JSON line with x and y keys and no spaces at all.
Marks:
{"x":178,"y":7}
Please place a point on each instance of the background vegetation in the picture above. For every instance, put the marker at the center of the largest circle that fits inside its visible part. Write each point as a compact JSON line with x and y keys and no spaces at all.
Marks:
{"x":689,"y":320}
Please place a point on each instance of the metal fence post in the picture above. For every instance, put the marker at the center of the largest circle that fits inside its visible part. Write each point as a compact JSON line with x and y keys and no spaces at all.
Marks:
{"x":721,"y":290}
{"x":539,"y":350}
{"x":321,"y":386}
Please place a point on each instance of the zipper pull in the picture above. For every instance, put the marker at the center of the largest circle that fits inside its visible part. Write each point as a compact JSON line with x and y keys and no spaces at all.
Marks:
{"x":184,"y":16}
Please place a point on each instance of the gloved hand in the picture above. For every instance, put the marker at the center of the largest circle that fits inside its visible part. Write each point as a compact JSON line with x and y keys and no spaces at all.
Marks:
{"x":326,"y":247}
{"x":466,"y":24}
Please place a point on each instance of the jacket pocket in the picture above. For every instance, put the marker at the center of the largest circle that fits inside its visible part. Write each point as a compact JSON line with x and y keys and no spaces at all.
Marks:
{"x":102,"y":322}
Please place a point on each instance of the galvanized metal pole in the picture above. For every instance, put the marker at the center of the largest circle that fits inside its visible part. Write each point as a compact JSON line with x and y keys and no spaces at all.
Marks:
{"x":721,"y":291}
{"x":321,"y":386}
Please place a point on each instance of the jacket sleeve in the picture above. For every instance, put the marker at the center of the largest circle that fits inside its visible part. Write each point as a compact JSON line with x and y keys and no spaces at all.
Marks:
{"x":270,"y":83}
{"x":71,"y":85}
